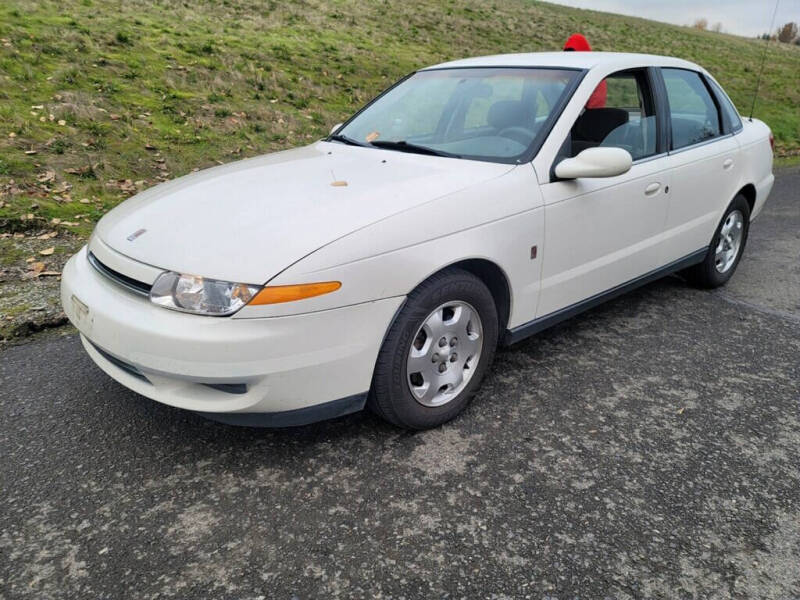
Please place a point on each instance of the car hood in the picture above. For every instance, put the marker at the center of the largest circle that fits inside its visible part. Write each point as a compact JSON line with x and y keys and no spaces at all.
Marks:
{"x":249,"y":220}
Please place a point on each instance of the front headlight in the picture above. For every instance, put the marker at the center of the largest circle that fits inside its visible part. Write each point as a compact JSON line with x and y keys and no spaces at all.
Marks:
{"x":190,"y":293}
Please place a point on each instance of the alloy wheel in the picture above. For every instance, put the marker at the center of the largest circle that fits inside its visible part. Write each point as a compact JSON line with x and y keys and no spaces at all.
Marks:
{"x":730,"y":240}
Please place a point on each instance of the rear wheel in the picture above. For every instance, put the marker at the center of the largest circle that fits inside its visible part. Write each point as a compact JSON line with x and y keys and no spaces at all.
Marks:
{"x":726,"y":247}
{"x":436,"y":352}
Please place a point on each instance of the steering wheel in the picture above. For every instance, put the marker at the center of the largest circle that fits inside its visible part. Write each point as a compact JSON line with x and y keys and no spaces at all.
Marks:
{"x":517,"y":133}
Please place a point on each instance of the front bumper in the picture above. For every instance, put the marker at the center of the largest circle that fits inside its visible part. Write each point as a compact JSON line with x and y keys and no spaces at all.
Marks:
{"x":275,"y":365}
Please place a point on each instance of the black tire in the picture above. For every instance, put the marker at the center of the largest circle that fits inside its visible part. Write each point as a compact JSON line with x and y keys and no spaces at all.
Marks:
{"x":390,"y":395}
{"x":706,"y":274}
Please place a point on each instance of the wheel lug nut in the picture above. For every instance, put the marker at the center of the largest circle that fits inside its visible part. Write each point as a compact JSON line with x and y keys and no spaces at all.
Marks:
{"x":435,"y":357}
{"x":453,"y":357}
{"x":442,"y":367}
{"x":454,"y":341}
{"x":442,"y":343}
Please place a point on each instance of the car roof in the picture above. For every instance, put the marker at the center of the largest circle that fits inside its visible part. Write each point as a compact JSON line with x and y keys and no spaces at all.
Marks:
{"x":574,"y":60}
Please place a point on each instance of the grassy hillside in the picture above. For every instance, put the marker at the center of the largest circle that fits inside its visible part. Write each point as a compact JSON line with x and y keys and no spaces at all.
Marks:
{"x":99,"y":99}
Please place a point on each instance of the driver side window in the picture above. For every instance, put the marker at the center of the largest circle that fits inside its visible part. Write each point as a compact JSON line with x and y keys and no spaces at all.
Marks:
{"x":627,"y":119}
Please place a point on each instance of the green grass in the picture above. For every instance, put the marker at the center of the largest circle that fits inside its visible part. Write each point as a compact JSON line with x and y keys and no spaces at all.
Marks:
{"x":147,"y":90}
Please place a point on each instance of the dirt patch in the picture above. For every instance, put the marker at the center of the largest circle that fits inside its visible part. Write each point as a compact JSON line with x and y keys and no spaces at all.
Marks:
{"x":30,"y":279}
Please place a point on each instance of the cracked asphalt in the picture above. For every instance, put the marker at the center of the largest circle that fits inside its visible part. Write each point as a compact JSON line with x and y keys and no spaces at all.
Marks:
{"x":647,"y":449}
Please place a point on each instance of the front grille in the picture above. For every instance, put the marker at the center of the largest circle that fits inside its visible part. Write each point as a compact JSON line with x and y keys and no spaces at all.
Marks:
{"x":133,"y":285}
{"x":128,"y":368}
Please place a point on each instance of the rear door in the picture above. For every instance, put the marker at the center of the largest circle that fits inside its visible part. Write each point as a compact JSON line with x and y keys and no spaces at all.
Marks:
{"x":605,"y":232}
{"x":703,"y":159}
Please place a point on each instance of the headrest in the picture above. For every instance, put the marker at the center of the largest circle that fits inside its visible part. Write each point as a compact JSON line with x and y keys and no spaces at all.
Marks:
{"x":596,"y":123}
{"x":508,"y":113}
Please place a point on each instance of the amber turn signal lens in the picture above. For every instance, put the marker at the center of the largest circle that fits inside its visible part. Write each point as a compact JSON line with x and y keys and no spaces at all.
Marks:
{"x":275,"y":294}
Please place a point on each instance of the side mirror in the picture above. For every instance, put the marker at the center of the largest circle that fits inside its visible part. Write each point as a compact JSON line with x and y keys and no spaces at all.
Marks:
{"x":595,"y":162}
{"x":334,"y":128}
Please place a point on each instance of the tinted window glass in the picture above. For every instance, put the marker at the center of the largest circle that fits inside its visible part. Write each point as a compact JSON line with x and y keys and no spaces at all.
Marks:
{"x":627,"y":120}
{"x":693,"y":114}
{"x":728,"y":108}
{"x":492,"y":113}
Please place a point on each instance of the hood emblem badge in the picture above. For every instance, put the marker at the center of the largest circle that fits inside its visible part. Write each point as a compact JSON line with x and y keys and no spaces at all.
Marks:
{"x":136,"y":234}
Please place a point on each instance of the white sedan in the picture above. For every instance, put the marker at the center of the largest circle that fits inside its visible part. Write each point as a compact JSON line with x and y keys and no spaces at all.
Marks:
{"x":472,"y":204}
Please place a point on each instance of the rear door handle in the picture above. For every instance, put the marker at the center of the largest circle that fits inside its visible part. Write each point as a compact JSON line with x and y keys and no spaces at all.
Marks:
{"x":652,"y":188}
{"x":727,"y":163}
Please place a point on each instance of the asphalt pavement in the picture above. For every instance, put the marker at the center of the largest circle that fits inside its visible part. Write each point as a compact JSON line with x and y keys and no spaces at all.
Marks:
{"x":647,"y":449}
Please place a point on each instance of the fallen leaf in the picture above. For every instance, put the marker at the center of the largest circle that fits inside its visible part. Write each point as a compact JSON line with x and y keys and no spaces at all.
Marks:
{"x":37,"y":267}
{"x":31,"y":151}
{"x":11,"y":134}
{"x":47,"y":251}
{"x":55,"y":221}
{"x":114,"y":116}
{"x":372,"y":136}
{"x":30,"y":260}
{"x":680,"y":410}
{"x":84,"y":201}
{"x":62,"y":122}
{"x":51,"y":273}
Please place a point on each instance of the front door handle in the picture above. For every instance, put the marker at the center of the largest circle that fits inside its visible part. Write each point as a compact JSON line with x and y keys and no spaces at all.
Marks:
{"x":727,"y":163}
{"x":652,"y":188}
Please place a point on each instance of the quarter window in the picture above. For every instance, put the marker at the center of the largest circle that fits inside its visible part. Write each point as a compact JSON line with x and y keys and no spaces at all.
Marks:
{"x":729,"y":112}
{"x":694,"y":117}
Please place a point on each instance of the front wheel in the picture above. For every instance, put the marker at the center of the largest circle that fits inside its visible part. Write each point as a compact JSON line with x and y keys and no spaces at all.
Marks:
{"x":726,"y":247}
{"x":436,"y":352}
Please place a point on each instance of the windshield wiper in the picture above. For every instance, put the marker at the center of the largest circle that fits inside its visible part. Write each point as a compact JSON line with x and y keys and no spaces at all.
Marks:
{"x":337,"y":137}
{"x":404,"y":146}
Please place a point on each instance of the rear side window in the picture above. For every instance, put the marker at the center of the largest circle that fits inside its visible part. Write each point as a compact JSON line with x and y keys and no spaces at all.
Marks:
{"x":729,"y":112}
{"x":694,"y":117}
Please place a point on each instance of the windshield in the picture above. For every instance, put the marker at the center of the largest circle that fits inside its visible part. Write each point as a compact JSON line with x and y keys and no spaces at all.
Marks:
{"x":493,"y":114}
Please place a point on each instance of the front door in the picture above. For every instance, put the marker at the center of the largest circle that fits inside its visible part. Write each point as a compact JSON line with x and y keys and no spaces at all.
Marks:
{"x":605,"y":232}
